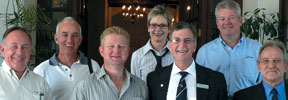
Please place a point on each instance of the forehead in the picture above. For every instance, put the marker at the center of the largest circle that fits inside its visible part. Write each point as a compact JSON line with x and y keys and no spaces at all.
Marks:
{"x":271,"y":52}
{"x":227,"y":12}
{"x":69,"y":26}
{"x":159,"y":19}
{"x":17,"y":36}
{"x":182,"y":33}
{"x":115,"y":38}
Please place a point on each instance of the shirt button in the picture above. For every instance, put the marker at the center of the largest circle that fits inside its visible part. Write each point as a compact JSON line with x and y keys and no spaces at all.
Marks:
{"x":66,"y":69}
{"x":70,"y":75}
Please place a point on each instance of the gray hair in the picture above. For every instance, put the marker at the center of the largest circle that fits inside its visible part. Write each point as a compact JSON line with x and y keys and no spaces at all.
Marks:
{"x":14,"y":28}
{"x":67,"y":19}
{"x":228,"y":4}
{"x":160,"y":10}
{"x":183,"y":25}
{"x":274,"y":44}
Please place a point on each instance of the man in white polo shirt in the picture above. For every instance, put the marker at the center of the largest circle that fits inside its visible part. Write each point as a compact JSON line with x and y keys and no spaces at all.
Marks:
{"x":68,"y":66}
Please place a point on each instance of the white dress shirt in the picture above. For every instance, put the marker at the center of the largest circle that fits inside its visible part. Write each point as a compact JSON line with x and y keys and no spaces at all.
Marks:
{"x":143,"y":61}
{"x":29,"y":87}
{"x":190,"y":82}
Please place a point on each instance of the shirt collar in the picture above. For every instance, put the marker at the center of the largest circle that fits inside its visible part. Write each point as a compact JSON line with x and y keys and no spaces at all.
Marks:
{"x":239,"y":43}
{"x":102,"y":73}
{"x":190,"y":69}
{"x":10,"y":71}
{"x":149,"y":47}
{"x":280,"y":88}
{"x":83,"y":60}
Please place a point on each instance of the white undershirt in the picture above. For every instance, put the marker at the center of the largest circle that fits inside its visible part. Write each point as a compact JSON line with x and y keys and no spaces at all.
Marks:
{"x":190,"y":82}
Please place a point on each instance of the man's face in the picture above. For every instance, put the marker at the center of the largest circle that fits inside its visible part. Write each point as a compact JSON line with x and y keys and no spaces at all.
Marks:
{"x":272,"y":65}
{"x":69,"y":37}
{"x":182,"y":45}
{"x":158,"y":28}
{"x":115,"y":49}
{"x":228,"y":22}
{"x":17,"y":50}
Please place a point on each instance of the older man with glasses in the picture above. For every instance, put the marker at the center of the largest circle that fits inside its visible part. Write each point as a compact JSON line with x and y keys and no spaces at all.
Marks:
{"x":155,"y":53}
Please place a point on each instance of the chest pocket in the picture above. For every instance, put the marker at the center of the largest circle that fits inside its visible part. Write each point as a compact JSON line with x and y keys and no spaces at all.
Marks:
{"x":248,"y":68}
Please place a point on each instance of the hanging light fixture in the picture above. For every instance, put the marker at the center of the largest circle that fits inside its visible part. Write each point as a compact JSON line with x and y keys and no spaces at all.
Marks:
{"x":133,"y":11}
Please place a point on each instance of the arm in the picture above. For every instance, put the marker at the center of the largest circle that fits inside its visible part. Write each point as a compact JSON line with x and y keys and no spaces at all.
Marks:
{"x":95,"y":65}
{"x":223,"y":88}
{"x":78,"y":92}
{"x":47,"y":94}
{"x":200,"y":57}
{"x":134,"y":65}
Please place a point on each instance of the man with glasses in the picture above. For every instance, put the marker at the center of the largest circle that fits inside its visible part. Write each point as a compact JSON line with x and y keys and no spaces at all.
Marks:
{"x":155,"y":53}
{"x":272,"y":64}
{"x":169,"y":83}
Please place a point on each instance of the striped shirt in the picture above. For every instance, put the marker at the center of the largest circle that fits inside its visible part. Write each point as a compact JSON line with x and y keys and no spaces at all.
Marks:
{"x":101,"y":87}
{"x":143,"y":61}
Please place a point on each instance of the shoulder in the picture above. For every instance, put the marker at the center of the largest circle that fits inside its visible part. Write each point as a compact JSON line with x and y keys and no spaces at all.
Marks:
{"x":42,"y":66}
{"x":252,"y":43}
{"x":212,"y":44}
{"x":210,"y":72}
{"x":247,"y":92}
{"x":138,"y":81}
{"x":139,"y":52}
{"x":154,"y":75}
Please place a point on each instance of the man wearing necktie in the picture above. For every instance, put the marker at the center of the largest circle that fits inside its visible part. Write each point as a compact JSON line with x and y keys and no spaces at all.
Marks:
{"x":272,"y":64}
{"x":184,"y":79}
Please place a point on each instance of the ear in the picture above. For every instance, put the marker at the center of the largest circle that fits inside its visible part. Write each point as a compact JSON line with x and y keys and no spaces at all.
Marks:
{"x":258,"y":66}
{"x":286,"y":66}
{"x":56,"y":38}
{"x":2,"y":48}
{"x":101,"y":50}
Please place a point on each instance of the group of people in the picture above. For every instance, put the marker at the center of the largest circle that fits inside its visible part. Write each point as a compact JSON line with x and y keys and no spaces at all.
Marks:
{"x":229,"y":67}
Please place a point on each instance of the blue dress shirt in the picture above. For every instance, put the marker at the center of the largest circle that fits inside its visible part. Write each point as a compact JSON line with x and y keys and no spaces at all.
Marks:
{"x":280,"y":88}
{"x":238,"y":64}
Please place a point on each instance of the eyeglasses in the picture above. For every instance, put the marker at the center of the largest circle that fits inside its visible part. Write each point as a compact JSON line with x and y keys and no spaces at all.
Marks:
{"x":275,"y":61}
{"x":186,"y":41}
{"x":161,"y":26}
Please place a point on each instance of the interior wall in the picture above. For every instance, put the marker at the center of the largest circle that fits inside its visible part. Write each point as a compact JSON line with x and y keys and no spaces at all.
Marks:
{"x":96,"y":23}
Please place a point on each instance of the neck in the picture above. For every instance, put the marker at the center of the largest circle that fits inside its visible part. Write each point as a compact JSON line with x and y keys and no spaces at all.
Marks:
{"x":158,"y":45}
{"x":19,"y":74}
{"x":231,"y":40}
{"x":183,"y":65}
{"x":273,"y":83}
{"x":117,"y":75}
{"x":67,"y":60}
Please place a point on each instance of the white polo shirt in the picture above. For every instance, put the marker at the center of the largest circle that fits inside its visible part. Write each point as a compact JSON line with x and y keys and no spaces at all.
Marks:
{"x":30,"y":87}
{"x":61,"y":78}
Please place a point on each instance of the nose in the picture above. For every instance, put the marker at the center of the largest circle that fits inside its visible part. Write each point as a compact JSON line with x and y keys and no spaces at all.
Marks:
{"x":227,"y":21}
{"x":181,"y":44}
{"x":70,"y":38}
{"x":117,"y":49}
{"x":271,"y":64}
{"x":20,"y":50}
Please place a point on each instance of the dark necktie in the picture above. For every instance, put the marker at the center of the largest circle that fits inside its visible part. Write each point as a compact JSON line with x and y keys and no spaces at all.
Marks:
{"x":159,"y":59}
{"x":181,"y":90}
{"x":274,"y":91}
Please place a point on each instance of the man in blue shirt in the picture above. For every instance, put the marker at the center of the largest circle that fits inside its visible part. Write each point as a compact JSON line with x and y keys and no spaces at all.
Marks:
{"x":272,"y":64}
{"x":232,"y":53}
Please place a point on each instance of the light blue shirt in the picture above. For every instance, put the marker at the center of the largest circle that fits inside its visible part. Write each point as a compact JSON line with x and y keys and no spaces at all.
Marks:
{"x":280,"y":88}
{"x":238,"y":64}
